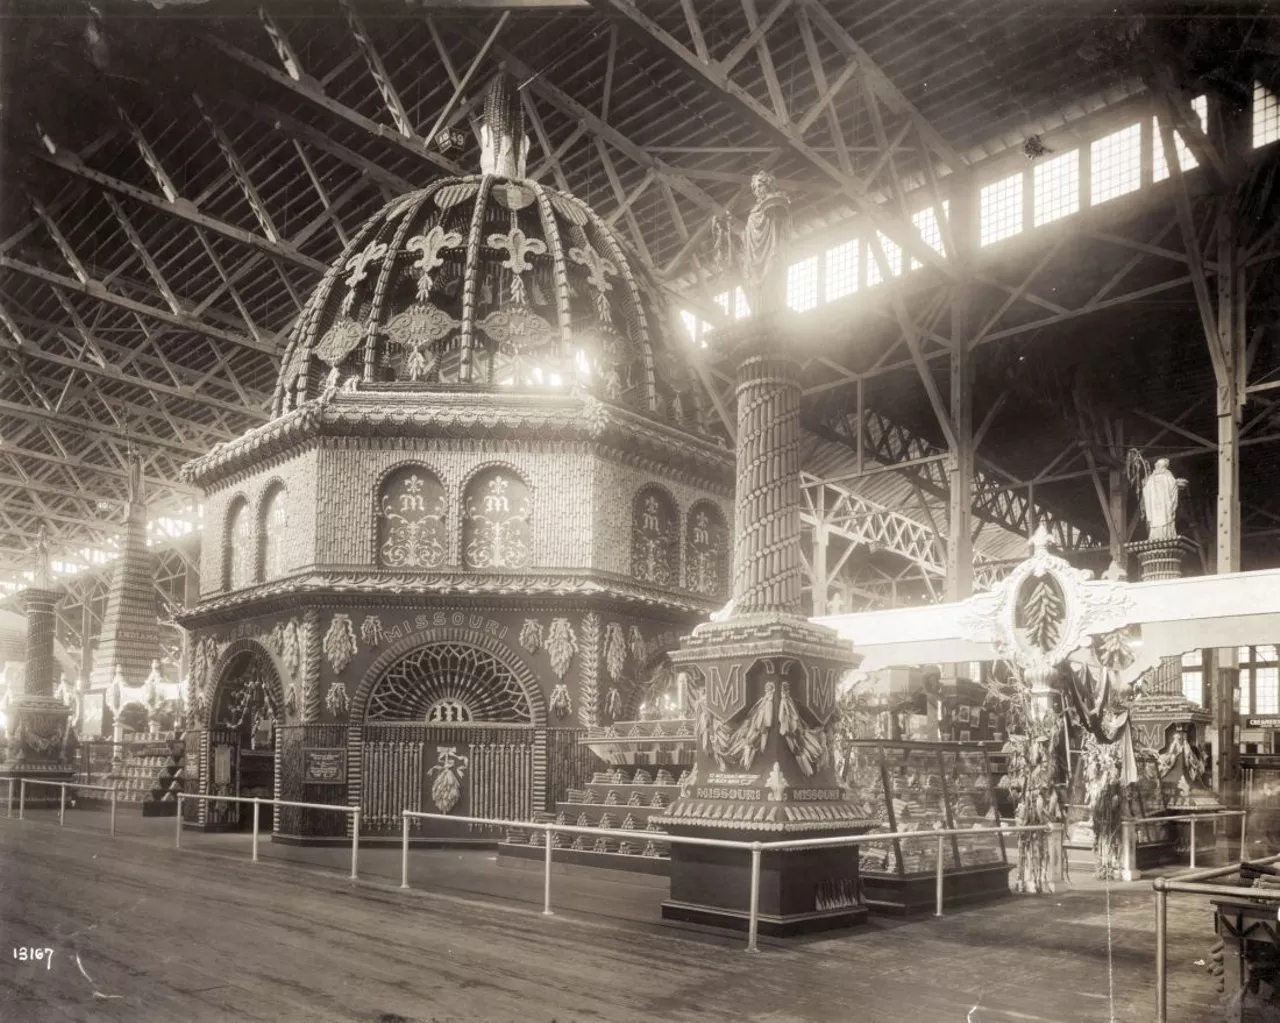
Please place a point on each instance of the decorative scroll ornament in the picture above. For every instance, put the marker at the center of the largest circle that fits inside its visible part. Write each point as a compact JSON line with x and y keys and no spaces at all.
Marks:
{"x":653,"y":547}
{"x":561,"y":706}
{"x":339,"y":341}
{"x":599,"y":270}
{"x":448,"y":196}
{"x":531,"y":635}
{"x":415,"y":332}
{"x":518,"y":331}
{"x":335,"y":700}
{"x":499,"y":528}
{"x":446,"y":790}
{"x":413,"y":532}
{"x":588,"y":669}
{"x":428,"y":247}
{"x":359,"y":267}
{"x":708,"y":554}
{"x":615,"y":651}
{"x":371,"y":630}
{"x":562,"y":644}
{"x":1044,"y":610}
{"x":340,"y":642}
{"x":517,"y":246}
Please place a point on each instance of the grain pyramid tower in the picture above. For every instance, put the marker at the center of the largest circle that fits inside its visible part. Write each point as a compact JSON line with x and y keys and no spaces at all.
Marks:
{"x":130,"y":638}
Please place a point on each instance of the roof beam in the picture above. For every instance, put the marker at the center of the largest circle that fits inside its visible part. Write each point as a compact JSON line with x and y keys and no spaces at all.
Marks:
{"x":94,"y":289}
{"x":181,"y":208}
{"x":902,"y":232}
{"x":413,"y":144}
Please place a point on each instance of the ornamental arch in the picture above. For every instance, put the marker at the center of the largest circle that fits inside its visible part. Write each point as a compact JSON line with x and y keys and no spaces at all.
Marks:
{"x":706,"y":557}
{"x":497,"y":509}
{"x":655,"y":537}
{"x":411,"y":519}
{"x":237,"y":545}
{"x":273,"y":528}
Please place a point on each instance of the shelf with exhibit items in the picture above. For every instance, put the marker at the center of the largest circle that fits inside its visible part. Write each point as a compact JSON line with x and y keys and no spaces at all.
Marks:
{"x":923,"y":786}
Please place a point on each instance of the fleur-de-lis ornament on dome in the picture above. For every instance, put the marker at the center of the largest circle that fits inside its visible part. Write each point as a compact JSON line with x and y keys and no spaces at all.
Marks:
{"x":518,"y":247}
{"x":428,"y":247}
{"x":599,"y":270}
{"x":359,"y":267}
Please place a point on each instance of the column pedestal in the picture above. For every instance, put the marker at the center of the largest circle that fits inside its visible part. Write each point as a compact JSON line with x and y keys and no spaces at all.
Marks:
{"x":41,"y":741}
{"x":1162,"y":559}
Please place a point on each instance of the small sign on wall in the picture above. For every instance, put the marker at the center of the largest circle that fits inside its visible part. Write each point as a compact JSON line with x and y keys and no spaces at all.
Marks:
{"x":324,"y":766}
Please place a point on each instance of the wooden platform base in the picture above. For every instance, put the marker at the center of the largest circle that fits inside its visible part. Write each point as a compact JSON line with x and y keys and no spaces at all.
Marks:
{"x":645,"y":866}
{"x":915,"y":893}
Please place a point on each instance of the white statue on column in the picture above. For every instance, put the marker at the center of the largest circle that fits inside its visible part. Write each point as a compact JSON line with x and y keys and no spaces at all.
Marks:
{"x":1160,"y":489}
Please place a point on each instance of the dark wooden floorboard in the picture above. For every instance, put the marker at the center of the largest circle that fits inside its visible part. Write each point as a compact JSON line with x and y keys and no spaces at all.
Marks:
{"x":201,"y":934}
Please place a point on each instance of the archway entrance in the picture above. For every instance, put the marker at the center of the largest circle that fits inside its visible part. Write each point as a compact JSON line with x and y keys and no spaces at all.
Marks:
{"x":449,"y":728}
{"x":243,"y":719}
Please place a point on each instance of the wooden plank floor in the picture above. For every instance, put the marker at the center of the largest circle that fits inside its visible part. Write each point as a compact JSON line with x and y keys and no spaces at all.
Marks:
{"x":143,"y":932}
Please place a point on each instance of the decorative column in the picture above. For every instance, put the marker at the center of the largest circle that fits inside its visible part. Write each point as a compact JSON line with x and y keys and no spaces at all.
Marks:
{"x":41,"y":739}
{"x":1162,"y":559}
{"x":766,"y":709}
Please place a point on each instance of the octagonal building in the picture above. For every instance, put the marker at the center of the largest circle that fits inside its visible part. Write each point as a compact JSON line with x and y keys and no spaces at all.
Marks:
{"x":491,"y":497}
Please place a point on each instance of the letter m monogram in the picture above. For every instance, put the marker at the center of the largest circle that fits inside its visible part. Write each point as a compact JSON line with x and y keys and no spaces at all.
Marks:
{"x":726,"y":694}
{"x":822,"y":693}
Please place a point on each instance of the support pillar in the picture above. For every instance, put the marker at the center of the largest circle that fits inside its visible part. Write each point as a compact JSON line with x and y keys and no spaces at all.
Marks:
{"x":821,"y":577}
{"x":766,"y":709}
{"x":41,"y":742}
{"x":1117,"y":519}
{"x":961,"y":460}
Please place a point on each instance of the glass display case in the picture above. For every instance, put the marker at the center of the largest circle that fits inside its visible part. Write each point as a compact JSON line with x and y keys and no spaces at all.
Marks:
{"x":923,"y":786}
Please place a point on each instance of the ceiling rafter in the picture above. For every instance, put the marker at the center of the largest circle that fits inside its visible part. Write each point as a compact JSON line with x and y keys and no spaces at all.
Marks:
{"x":776,"y":123}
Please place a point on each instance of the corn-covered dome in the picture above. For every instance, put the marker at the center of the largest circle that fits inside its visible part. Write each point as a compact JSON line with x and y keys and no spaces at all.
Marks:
{"x":491,"y":281}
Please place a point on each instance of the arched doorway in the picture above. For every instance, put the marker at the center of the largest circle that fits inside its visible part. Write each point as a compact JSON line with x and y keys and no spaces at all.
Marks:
{"x":243,"y":715}
{"x":448,"y":722}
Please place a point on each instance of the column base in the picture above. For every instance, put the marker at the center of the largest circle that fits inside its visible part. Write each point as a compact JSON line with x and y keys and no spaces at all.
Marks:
{"x":801,"y":890}
{"x":1162,"y":559}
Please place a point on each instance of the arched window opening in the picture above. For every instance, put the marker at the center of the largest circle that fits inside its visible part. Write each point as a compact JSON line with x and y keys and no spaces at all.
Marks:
{"x":275,"y":526}
{"x":239,"y":551}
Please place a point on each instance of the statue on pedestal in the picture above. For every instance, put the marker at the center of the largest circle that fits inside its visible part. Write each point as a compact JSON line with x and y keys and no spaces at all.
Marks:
{"x":757,"y":253}
{"x":1159,"y":489}
{"x":42,"y":570}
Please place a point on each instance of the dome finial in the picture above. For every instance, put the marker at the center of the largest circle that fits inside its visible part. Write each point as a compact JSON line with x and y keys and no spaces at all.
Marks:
{"x":503,"y":145}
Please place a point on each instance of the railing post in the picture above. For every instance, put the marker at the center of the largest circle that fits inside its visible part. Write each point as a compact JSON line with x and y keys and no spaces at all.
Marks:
{"x":113,"y":810}
{"x":1244,"y":816}
{"x":546,"y":874}
{"x":937,"y":882}
{"x":257,"y":802}
{"x":753,"y":921}
{"x":404,"y":852}
{"x":355,"y":842}
{"x":177,"y":821}
{"x":62,"y":803}
{"x":1162,"y":906}
{"x":22,"y":798}
{"x":1192,"y":825}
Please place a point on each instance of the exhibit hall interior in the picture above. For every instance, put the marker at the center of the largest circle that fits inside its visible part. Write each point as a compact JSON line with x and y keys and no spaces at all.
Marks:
{"x":640,"y":510}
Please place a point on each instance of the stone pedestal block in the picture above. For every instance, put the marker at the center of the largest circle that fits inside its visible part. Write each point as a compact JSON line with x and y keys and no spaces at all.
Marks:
{"x":801,"y":891}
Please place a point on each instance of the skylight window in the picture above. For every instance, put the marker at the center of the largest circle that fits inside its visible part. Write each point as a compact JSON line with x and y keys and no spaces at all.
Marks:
{"x":1056,"y":188}
{"x":1159,"y":165}
{"x":842,"y":270}
{"x":1266,"y":116}
{"x":1117,"y":164}
{"x":892,"y":256}
{"x":802,"y":285}
{"x":926,"y":222}
{"x":1000,"y":210}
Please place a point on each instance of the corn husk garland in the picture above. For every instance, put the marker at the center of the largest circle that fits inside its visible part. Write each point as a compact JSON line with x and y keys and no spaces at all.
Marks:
{"x":753,"y":734}
{"x":562,"y":644}
{"x":531,"y":635}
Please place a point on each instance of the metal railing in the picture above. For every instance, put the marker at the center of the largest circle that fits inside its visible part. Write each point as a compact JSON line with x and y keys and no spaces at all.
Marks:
{"x":258,"y":803}
{"x":757,"y":849}
{"x":1190,"y":883}
{"x":62,"y":797}
{"x":1194,"y":818}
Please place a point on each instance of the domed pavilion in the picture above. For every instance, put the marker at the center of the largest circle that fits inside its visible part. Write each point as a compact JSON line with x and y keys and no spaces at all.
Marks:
{"x":489,"y":501}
